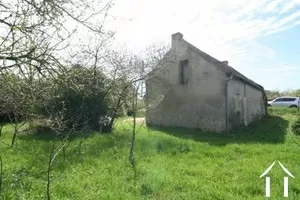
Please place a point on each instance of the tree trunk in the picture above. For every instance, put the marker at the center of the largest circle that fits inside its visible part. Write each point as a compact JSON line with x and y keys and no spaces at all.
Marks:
{"x":14,"y":138}
{"x":1,"y":126}
{"x":1,"y":172}
{"x":49,"y":173}
{"x":131,"y":152}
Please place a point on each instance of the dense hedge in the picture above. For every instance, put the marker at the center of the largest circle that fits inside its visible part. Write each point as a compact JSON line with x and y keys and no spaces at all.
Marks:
{"x":296,"y":127}
{"x":4,"y":118}
{"x":265,"y":99}
{"x":78,"y":98}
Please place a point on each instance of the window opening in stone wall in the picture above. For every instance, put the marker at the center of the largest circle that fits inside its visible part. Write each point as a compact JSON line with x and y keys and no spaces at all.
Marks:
{"x":183,"y":72}
{"x":238,"y":105}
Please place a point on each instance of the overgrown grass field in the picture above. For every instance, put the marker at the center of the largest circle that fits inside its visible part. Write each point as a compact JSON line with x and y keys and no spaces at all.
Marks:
{"x":171,"y":163}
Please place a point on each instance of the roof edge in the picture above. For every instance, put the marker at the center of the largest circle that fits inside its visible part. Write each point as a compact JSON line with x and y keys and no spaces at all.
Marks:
{"x":225,"y":68}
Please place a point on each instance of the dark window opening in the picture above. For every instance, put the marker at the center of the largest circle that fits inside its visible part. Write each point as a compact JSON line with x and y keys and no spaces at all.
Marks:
{"x":238,"y":102}
{"x":279,"y":100}
{"x":183,"y":71}
{"x":289,"y":99}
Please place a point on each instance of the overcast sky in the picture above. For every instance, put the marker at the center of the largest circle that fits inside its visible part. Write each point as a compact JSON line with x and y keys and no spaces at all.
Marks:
{"x":259,"y":38}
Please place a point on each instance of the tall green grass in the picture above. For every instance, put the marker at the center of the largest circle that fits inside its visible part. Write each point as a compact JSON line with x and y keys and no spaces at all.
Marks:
{"x":171,"y":163}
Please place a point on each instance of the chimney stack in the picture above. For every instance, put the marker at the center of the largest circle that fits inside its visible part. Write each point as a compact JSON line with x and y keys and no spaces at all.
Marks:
{"x":225,"y":62}
{"x":175,"y":38}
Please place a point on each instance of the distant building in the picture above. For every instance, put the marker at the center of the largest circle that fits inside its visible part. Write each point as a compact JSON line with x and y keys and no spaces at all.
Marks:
{"x":194,"y":90}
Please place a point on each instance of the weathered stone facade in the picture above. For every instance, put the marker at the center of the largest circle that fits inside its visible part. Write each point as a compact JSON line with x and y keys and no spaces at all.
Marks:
{"x":208,"y":98}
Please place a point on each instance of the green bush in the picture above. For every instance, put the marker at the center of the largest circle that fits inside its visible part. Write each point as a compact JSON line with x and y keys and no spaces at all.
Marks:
{"x":14,"y":98}
{"x":296,"y":127}
{"x":4,"y":118}
{"x":77,"y":98}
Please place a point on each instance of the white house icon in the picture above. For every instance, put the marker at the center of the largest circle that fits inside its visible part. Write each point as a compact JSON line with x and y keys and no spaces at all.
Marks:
{"x":286,"y":180}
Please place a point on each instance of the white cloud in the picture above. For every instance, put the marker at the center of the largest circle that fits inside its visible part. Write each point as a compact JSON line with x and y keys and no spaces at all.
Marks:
{"x":290,"y":5}
{"x":225,"y":29}
{"x":273,"y":6}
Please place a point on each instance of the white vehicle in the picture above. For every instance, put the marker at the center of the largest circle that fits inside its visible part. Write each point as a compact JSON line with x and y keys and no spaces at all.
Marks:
{"x":290,"y":102}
